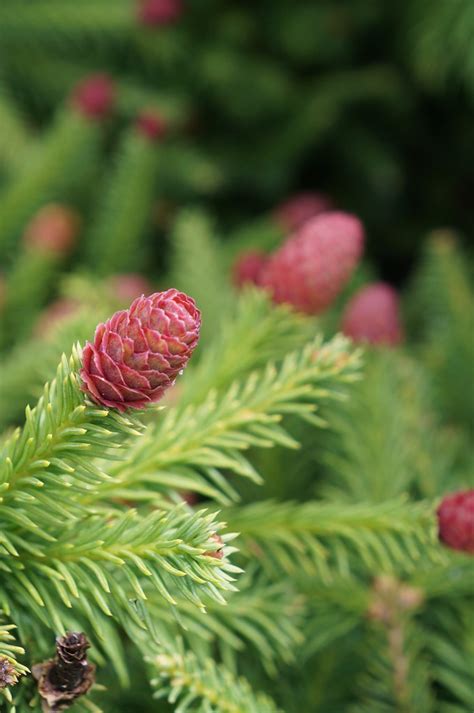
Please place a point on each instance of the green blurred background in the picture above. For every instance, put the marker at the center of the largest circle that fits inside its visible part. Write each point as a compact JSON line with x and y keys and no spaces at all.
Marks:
{"x":369,"y":102}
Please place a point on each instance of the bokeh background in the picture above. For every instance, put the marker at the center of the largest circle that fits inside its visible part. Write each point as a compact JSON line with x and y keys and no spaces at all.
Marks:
{"x":368,"y":102}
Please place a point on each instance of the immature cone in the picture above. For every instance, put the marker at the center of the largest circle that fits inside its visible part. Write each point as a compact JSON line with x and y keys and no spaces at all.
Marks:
{"x":53,"y":228}
{"x":159,"y":12}
{"x":94,"y":96}
{"x":248,"y":268}
{"x":216,"y":554}
{"x":314,"y":264}
{"x":373,"y":315}
{"x":138,"y":353}
{"x":151,"y":125}
{"x":456,"y":521}
{"x":8,"y":675}
{"x":294,"y":212}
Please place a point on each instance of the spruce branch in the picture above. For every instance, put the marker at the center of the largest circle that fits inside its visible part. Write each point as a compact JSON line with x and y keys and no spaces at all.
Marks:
{"x":378,"y":453}
{"x":449,"y":643}
{"x":46,"y":456}
{"x":262,"y":615}
{"x":258,"y":332}
{"x":31,"y":363}
{"x":112,"y":555}
{"x":191,"y":446}
{"x":204,"y":687}
{"x":10,"y":668}
{"x":399,"y":678}
{"x":329,"y":538}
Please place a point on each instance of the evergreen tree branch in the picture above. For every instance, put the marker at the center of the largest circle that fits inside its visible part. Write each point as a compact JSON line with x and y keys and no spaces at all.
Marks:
{"x":54,"y":453}
{"x":9,"y":652}
{"x":190,"y":446}
{"x":324,"y":538}
{"x":262,"y":615}
{"x":204,"y":688}
{"x":258,"y":332}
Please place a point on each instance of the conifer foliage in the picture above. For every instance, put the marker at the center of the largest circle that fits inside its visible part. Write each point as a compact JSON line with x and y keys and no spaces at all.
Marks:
{"x":235,"y":462}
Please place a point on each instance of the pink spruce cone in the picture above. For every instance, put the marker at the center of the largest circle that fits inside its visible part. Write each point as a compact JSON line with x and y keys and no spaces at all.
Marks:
{"x":248,"y":268}
{"x":94,"y":96}
{"x":293,"y":213}
{"x":159,"y":12}
{"x":53,"y":228}
{"x":128,"y":286}
{"x":138,"y":353}
{"x":373,"y":315}
{"x":314,"y":264}
{"x":456,"y":521}
{"x":151,"y":125}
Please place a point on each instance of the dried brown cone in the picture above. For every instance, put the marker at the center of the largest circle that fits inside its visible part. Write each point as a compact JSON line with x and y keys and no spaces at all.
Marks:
{"x":68,"y":676}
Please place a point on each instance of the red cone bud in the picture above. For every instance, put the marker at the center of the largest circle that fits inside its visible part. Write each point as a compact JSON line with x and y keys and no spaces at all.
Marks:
{"x":373,"y":315}
{"x":159,"y":12}
{"x":151,"y":125}
{"x":292,"y":214}
{"x":314,"y":264}
{"x":53,"y":228}
{"x":456,"y":521}
{"x":138,"y":353}
{"x":248,"y":268}
{"x":129,"y":286}
{"x":94,"y":96}
{"x":217,"y":554}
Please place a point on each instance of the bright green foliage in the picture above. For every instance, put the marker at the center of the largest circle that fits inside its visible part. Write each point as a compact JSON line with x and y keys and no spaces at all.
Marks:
{"x":192,"y":445}
{"x":26,"y":367}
